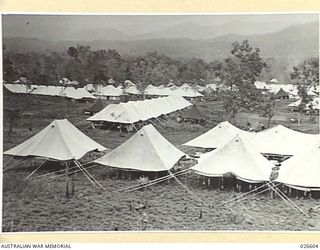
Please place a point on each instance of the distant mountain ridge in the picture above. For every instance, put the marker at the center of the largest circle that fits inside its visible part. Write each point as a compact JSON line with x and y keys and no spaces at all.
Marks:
{"x":295,"y":43}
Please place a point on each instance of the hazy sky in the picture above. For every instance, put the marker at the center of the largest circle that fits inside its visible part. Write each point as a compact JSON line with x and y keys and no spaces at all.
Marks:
{"x":53,"y":25}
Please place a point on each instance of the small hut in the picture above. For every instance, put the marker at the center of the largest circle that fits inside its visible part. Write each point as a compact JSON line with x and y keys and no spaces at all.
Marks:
{"x":95,"y":108}
{"x":281,"y":94}
{"x":194,"y":115}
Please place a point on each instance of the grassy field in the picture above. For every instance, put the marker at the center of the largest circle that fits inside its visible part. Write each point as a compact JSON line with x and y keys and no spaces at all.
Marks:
{"x":40,"y":204}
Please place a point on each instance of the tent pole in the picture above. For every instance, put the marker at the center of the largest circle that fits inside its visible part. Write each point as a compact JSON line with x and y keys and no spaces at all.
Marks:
{"x":85,"y":174}
{"x":67,"y":179}
{"x":246,"y":196}
{"x":285,"y":198}
{"x":187,"y":189}
{"x":14,"y":164}
{"x":89,"y":175}
{"x":6,"y":163}
{"x":92,"y":125}
{"x":135,"y":127}
{"x":35,"y":170}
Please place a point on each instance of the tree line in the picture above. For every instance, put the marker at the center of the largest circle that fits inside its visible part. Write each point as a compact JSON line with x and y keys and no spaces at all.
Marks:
{"x":85,"y":65}
{"x":237,"y":73}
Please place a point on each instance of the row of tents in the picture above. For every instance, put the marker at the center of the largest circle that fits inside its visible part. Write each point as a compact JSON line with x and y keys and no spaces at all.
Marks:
{"x":184,"y":90}
{"x":244,"y":161}
{"x":114,"y":93}
{"x":313,"y":104}
{"x":137,"y":111}
{"x":148,"y":150}
{"x":68,"y":92}
{"x":285,"y":90}
{"x":278,"y":140}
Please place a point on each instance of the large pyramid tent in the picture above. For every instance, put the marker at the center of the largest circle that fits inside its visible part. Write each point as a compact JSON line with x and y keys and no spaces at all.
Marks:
{"x":147,"y":150}
{"x":219,"y":136}
{"x":281,"y":140}
{"x":237,"y":158}
{"x":60,"y":141}
{"x":302,"y":171}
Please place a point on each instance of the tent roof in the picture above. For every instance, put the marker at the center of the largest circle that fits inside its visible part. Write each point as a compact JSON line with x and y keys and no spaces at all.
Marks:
{"x":274,"y":80}
{"x":60,"y":140}
{"x":119,"y":113}
{"x":281,"y":93}
{"x":218,"y":136}
{"x":109,"y":90}
{"x":147,"y":150}
{"x":17,"y":88}
{"x":70,"y":92}
{"x":283,"y":141}
{"x":194,"y":113}
{"x":295,"y":104}
{"x":237,"y":158}
{"x":132,"y":112}
{"x":185,"y":85}
{"x":302,"y":170}
{"x":133,"y":90}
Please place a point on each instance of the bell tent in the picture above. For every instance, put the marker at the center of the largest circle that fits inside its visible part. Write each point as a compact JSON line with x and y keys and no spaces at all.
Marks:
{"x":218,"y":136}
{"x":302,"y":171}
{"x":237,"y":158}
{"x":59,"y":141}
{"x":147,"y":150}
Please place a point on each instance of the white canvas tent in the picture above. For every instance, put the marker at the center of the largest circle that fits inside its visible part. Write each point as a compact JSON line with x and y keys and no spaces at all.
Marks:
{"x":147,"y":150}
{"x":70,"y":92}
{"x":76,"y":93}
{"x":218,"y":136}
{"x":237,"y":158}
{"x":82,"y":93}
{"x":280,"y":140}
{"x":47,"y":90}
{"x":109,"y":91}
{"x":60,"y":141}
{"x":118,"y":113}
{"x":172,"y":91}
{"x":17,"y":88}
{"x":132,"y":112}
{"x":302,"y":171}
{"x":295,"y":104}
{"x":133,"y":90}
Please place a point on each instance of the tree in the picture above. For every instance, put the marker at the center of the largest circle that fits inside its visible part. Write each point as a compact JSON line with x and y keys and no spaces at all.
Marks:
{"x":13,"y":118}
{"x":307,"y":76}
{"x":268,"y":109}
{"x":9,"y":72}
{"x":141,"y":71}
{"x":74,"y":53}
{"x":239,"y":74}
{"x":152,"y":68}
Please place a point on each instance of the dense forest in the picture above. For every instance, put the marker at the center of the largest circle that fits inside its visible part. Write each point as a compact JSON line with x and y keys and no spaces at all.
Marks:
{"x":85,"y":65}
